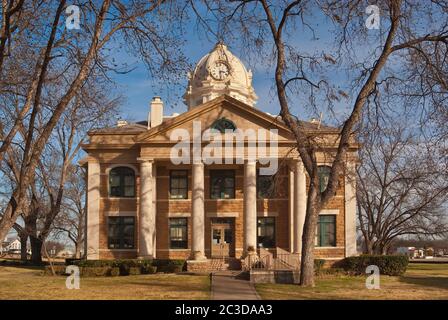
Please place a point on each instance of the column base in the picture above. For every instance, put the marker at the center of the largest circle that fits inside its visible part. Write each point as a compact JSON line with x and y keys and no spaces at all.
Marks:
{"x":198,"y":256}
{"x":198,"y":266}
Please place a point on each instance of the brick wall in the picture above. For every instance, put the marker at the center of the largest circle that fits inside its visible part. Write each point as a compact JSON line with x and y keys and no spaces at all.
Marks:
{"x":166,"y":208}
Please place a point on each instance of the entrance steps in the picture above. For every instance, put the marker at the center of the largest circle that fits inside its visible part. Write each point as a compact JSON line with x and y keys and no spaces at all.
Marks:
{"x":223,"y":264}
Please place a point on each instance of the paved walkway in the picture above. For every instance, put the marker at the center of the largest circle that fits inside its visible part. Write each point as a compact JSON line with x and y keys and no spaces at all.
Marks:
{"x":226,"y":287}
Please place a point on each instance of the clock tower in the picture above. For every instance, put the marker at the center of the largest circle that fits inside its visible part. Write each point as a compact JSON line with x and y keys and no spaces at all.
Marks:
{"x":217,"y":73}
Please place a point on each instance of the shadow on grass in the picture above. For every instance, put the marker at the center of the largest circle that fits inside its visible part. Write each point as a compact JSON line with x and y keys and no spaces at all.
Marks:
{"x":426,"y":281}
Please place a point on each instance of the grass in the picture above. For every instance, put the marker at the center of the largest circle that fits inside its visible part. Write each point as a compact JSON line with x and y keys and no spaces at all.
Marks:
{"x":420,"y":282}
{"x":29,"y":283}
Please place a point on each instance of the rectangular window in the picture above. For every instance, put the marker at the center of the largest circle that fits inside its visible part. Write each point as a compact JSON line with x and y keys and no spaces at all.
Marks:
{"x":326,"y":231}
{"x":265,"y":187}
{"x":266,"y":232}
{"x":222,"y":184}
{"x":121,"y":232}
{"x":179,"y":184}
{"x":178,"y":233}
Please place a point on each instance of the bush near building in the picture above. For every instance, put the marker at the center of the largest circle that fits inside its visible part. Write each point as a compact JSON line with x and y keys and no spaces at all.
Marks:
{"x":391,"y":265}
{"x":124,"y":267}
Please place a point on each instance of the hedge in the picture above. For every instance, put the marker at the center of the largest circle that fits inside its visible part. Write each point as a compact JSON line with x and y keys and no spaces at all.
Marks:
{"x":129,"y":266}
{"x":391,"y":265}
{"x":85,"y":271}
{"x":318,"y":265}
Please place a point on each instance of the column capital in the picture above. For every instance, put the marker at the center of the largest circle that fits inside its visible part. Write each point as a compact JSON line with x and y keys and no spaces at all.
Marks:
{"x":145,"y":160}
{"x":198,"y":164}
{"x":250,"y":161}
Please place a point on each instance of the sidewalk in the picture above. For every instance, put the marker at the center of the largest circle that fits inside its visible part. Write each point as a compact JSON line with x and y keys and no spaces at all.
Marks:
{"x":226,"y":287}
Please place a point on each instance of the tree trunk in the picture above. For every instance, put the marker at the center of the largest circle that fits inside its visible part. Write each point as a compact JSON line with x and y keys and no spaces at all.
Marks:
{"x":368,"y":246}
{"x":78,"y":251}
{"x":23,"y":241}
{"x":308,"y":238}
{"x":36,"y":250}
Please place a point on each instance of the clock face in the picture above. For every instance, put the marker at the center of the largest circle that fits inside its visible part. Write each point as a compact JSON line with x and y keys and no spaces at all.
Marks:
{"x":220,"y":70}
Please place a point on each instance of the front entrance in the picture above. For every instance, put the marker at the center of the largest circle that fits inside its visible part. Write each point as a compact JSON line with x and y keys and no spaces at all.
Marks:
{"x":222,"y":238}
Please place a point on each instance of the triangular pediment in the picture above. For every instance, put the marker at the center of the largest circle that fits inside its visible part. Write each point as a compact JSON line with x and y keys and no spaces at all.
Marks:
{"x":224,"y":107}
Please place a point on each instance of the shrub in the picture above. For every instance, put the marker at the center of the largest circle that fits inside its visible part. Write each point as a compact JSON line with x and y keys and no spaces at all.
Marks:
{"x":133,"y":271}
{"x":392,"y":265}
{"x":20,"y":263}
{"x":95,"y":271}
{"x":90,"y":263}
{"x":126,"y":267}
{"x":170,"y":268}
{"x":58,"y":270}
{"x":318,"y":265}
{"x":72,"y":261}
{"x":165,"y":262}
{"x":148,"y":269}
{"x":114,"y":272}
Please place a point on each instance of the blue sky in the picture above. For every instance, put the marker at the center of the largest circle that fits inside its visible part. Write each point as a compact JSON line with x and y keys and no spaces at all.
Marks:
{"x":138,"y":88}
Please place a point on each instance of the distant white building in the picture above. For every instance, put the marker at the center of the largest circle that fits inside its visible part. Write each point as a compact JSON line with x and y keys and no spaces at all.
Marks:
{"x":66,"y":254}
{"x":412,"y":252}
{"x":15,"y":246}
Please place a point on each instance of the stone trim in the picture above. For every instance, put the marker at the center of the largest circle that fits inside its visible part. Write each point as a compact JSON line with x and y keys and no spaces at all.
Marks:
{"x":267,"y":214}
{"x":120,"y":213}
{"x":178,"y":214}
{"x":329,"y":212}
{"x":222,"y":214}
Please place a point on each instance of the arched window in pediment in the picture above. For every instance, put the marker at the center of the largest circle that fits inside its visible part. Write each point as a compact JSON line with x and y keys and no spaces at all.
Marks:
{"x":223,"y":124}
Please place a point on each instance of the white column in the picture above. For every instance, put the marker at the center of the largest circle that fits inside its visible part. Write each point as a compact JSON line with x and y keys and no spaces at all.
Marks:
{"x":250,"y":205}
{"x":299,"y":204}
{"x":350,"y":210}
{"x":93,"y":210}
{"x":198,"y":212}
{"x":147,"y":219}
{"x":291,"y":205}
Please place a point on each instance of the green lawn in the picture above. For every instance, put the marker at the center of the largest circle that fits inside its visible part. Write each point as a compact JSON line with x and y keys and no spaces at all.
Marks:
{"x":29,"y":283}
{"x":421,"y":281}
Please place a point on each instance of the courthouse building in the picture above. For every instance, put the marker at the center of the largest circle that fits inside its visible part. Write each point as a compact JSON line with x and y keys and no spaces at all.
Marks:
{"x":141,"y":203}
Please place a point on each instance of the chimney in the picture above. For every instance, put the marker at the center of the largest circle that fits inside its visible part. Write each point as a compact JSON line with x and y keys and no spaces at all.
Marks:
{"x":156,"y":112}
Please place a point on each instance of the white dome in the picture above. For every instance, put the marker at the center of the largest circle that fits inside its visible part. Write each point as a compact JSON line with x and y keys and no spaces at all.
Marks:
{"x":217,"y":73}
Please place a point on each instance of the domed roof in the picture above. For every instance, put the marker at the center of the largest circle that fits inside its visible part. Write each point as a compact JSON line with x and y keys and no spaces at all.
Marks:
{"x":219,"y":72}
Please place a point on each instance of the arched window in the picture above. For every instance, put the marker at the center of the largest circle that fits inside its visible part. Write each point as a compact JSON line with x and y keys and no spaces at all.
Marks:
{"x":223,"y":124}
{"x":324,"y":176}
{"x":122,"y":182}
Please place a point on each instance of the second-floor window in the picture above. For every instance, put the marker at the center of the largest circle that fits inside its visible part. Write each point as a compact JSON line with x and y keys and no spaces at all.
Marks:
{"x":222,"y":184}
{"x":324,"y":176}
{"x":122,"y":182}
{"x":265,"y":187}
{"x":179,"y":184}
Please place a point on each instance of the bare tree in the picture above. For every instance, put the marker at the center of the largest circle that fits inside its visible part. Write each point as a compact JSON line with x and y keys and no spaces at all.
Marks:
{"x":71,"y":220}
{"x":66,"y":61}
{"x":273,"y":25}
{"x":401,"y":185}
